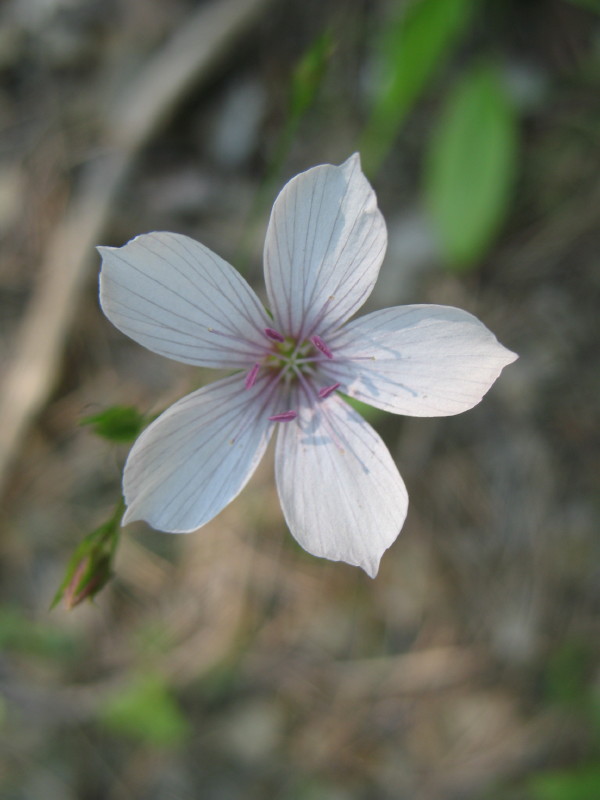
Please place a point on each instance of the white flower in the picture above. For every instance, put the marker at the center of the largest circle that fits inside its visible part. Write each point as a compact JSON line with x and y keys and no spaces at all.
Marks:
{"x":340,"y":490}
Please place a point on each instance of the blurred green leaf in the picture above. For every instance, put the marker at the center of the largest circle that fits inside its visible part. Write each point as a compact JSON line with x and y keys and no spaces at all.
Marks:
{"x":471,"y":166}
{"x":308,"y":74}
{"x":118,"y":423}
{"x":90,"y":567}
{"x":22,"y":635}
{"x":410,"y":50}
{"x":305,"y":81}
{"x":589,"y":5}
{"x":568,"y":675}
{"x":581,"y":783}
{"x":147,"y":712}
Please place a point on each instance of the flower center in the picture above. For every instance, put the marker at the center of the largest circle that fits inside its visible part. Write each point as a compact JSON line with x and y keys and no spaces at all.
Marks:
{"x":293,"y":361}
{"x":291,"y":356}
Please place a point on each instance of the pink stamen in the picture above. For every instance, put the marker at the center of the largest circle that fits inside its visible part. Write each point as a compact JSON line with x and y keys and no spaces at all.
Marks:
{"x":251,"y":377}
{"x":287,"y":416}
{"x":274,"y":335}
{"x":327,"y":390}
{"x":320,"y":345}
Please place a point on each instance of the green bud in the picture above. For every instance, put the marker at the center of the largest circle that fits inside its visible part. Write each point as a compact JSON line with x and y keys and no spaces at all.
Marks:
{"x":90,"y":567}
{"x":89,"y":577}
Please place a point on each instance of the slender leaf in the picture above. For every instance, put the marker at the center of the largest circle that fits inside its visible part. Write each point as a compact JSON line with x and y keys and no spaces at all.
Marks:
{"x":308,"y":74}
{"x":411,"y":49}
{"x":305,"y":82}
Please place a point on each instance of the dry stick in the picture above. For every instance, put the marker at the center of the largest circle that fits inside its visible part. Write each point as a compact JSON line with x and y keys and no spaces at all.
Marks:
{"x":183,"y":62}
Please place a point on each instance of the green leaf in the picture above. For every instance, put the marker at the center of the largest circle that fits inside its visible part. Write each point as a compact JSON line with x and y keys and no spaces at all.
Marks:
{"x":118,"y":423}
{"x":147,"y":712}
{"x":471,"y":166}
{"x":20,"y":634}
{"x":304,"y":83}
{"x":411,"y":49}
{"x":308,"y":74}
{"x":568,"y":675}
{"x":580,"y":783}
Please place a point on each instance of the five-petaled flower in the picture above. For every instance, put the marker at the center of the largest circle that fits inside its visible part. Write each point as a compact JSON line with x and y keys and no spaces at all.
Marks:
{"x":341,"y":493}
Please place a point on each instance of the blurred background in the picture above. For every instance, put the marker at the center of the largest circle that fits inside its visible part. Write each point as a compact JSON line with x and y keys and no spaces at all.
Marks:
{"x":229,"y":664}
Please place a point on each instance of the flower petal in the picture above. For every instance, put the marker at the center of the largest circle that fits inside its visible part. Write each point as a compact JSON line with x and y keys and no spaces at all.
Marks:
{"x":422,"y":360}
{"x":341,"y":492}
{"x":324,"y":246}
{"x":177,"y":298}
{"x":197,"y":456}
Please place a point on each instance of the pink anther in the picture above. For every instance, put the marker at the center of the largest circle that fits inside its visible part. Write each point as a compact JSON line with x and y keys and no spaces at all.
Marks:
{"x":287,"y":416}
{"x":327,"y":390}
{"x":274,"y":335}
{"x":251,"y":377}
{"x":320,"y":345}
